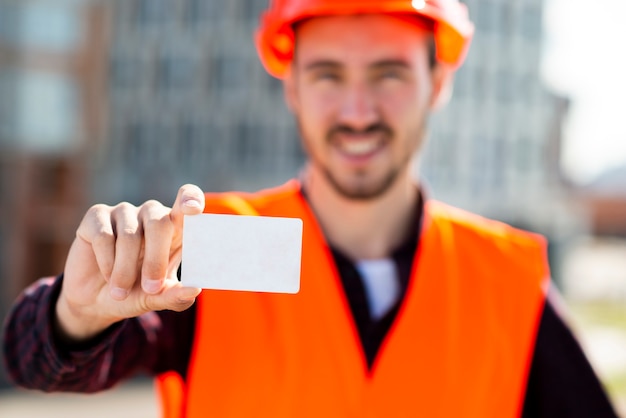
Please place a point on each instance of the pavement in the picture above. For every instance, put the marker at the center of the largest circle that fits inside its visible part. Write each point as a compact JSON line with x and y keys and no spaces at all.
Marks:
{"x":605,"y":347}
{"x":131,"y":400}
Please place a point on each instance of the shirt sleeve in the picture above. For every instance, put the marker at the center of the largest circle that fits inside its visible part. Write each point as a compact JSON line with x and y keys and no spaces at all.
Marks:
{"x":152,"y":343}
{"x":561,"y":382}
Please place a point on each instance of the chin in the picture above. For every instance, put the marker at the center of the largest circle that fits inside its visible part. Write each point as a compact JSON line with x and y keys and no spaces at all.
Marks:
{"x":364,"y":192}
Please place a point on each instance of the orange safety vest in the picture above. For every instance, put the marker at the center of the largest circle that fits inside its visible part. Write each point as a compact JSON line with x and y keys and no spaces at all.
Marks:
{"x":460,"y":346}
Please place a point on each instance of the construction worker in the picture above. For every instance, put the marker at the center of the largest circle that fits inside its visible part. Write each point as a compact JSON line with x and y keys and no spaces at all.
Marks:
{"x":407,"y":307}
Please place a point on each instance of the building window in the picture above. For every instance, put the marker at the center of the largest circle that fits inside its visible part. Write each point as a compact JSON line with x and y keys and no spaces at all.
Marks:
{"x":53,"y":26}
{"x":199,"y":145}
{"x":131,"y":144}
{"x":230,"y":82}
{"x":199,"y":12}
{"x":153,"y":12}
{"x":175,"y":72}
{"x":143,"y":144}
{"x":461,"y":88}
{"x":505,"y":16}
{"x":251,"y":9}
{"x":504,"y":86}
{"x":47,"y":112}
{"x":228,"y":72}
{"x":486,"y":16}
{"x":523,"y":155}
{"x":532,"y":22}
{"x":249,"y":146}
{"x":124,"y":72}
{"x":9,"y":14}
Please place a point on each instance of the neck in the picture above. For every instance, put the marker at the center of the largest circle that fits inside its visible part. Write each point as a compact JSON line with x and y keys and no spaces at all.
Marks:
{"x":363,"y":229}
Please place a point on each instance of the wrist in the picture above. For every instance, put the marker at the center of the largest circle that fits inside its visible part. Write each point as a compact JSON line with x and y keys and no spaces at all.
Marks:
{"x":72,"y":325}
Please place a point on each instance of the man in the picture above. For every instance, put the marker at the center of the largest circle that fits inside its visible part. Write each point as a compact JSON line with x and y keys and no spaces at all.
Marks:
{"x":407,"y":307}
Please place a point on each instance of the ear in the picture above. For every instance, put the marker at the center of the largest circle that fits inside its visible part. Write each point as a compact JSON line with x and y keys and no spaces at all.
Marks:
{"x":443,"y":83}
{"x":290,"y":91}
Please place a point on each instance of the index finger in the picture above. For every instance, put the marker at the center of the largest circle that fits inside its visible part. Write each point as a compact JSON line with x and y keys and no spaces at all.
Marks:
{"x":189,"y":201}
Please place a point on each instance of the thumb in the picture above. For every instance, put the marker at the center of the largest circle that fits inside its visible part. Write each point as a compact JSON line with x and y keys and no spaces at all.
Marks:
{"x":189,"y":201}
{"x":174,"y":297}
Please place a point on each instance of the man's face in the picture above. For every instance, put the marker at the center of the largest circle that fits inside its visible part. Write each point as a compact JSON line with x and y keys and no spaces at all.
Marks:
{"x":361,"y":88}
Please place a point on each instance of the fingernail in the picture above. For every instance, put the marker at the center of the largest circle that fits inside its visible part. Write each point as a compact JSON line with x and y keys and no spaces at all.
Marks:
{"x":191,"y":203}
{"x":118,"y":293}
{"x":152,"y":286}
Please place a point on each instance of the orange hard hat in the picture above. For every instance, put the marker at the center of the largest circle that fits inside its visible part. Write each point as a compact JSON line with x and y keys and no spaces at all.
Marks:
{"x":452,"y":28}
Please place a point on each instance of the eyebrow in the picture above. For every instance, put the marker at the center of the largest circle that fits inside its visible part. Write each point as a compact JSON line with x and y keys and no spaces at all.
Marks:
{"x":315,"y":65}
{"x":325,"y":64}
{"x":391,"y":63}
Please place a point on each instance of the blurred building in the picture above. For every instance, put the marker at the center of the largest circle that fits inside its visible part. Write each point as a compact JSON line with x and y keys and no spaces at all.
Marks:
{"x":51,"y":115}
{"x":495,"y":149}
{"x":190,"y":102}
{"x":605,"y":199}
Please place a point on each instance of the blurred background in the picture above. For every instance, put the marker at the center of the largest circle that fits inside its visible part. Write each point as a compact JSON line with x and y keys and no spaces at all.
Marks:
{"x":110,"y":100}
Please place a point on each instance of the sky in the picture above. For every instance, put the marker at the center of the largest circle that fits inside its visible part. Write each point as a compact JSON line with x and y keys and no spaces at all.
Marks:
{"x":584,"y":58}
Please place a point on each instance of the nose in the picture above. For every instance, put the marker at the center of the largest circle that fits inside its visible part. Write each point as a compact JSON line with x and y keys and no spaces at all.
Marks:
{"x":358,"y":109}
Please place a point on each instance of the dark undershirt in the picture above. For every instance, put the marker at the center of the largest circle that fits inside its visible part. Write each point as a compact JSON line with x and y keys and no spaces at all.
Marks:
{"x":373,"y":332}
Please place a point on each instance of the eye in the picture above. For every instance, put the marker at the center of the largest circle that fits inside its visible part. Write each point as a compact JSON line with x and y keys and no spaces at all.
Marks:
{"x":390,"y":74}
{"x":326,"y":75}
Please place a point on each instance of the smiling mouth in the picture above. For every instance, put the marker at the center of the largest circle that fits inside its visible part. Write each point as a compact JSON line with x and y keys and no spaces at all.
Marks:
{"x":359,"y":144}
{"x":359,"y":147}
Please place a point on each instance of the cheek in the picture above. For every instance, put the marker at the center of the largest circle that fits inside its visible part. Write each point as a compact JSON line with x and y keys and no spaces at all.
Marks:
{"x":402,"y":108}
{"x":318,"y":107}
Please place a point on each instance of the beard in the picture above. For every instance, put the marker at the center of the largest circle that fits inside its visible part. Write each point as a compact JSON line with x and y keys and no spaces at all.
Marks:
{"x":364,"y":188}
{"x":363,"y":193}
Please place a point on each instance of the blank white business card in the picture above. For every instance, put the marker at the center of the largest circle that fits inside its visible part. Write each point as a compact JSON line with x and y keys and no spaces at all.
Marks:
{"x":235,"y":252}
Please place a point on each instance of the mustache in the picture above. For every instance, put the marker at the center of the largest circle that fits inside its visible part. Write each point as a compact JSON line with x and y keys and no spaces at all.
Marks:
{"x":375,"y":128}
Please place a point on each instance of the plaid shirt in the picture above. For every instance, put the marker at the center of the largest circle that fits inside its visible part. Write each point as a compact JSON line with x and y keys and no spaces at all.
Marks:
{"x":34,"y":358}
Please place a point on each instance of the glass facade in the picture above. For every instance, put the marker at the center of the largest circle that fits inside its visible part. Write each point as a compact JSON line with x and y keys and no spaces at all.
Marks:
{"x":47,"y":114}
{"x":40,"y":110}
{"x":53,"y":26}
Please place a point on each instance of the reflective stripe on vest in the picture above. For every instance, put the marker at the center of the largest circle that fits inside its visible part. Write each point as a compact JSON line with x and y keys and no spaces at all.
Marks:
{"x":460,"y":346}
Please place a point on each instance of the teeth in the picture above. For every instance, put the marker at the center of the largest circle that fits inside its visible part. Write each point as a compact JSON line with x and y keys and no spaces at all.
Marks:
{"x":358,"y":148}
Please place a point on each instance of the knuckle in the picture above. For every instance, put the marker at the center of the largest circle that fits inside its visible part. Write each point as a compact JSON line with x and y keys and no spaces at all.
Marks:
{"x":103,"y":236}
{"x":99,"y":208}
{"x":161,"y":223}
{"x":129,"y":234}
{"x":125,"y":207}
{"x":96,"y":214}
{"x":151,"y":204}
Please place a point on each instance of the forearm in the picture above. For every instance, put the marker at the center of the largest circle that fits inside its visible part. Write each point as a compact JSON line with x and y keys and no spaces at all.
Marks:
{"x":37,"y":359}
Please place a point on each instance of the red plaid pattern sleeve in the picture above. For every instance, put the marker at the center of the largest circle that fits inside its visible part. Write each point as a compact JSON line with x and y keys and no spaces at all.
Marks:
{"x":34,"y":359}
